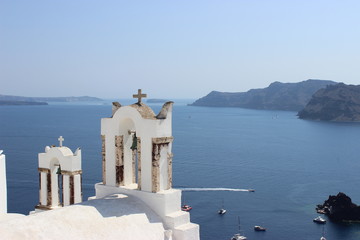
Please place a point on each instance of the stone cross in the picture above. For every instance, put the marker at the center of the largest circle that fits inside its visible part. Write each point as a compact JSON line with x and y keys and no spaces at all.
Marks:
{"x":139,"y":95}
{"x":61,"y":139}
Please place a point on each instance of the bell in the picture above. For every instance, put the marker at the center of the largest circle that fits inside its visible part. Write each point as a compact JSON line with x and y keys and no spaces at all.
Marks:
{"x":59,"y":170}
{"x":134,"y":143}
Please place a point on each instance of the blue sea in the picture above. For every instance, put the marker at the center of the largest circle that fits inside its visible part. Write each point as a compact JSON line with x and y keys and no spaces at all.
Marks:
{"x":292,"y":164}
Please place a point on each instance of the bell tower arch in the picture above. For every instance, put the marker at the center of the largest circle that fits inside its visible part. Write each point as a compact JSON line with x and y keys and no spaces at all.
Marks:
{"x":137,"y":161}
{"x":137,"y":147}
{"x":59,"y":177}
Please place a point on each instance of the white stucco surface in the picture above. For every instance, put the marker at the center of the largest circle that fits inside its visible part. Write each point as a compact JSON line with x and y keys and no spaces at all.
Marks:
{"x":114,"y":217}
{"x":9,"y":216}
{"x":3,"y":186}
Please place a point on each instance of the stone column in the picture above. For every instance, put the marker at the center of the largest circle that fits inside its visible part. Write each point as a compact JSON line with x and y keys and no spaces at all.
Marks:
{"x":169,"y":161}
{"x":157,"y":145}
{"x":72,"y":187}
{"x":119,"y":160}
{"x":78,"y":188}
{"x":48,"y":189}
{"x":44,"y":195}
{"x":72,"y":190}
{"x":66,"y":189}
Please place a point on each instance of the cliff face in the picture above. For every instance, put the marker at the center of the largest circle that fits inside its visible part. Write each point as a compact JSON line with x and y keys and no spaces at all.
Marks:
{"x":334,"y":103}
{"x":278,"y":96}
{"x":340,"y":208}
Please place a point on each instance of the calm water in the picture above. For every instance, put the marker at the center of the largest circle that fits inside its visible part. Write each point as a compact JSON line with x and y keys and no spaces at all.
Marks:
{"x":292,"y":164}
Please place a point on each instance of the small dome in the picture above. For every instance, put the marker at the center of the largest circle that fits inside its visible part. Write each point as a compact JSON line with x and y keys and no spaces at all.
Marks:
{"x":144,"y":110}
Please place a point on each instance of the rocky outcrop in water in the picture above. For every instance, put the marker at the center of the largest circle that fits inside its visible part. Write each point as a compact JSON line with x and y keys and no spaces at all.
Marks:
{"x":278,"y":96}
{"x":340,"y":208}
{"x":338,"y":102}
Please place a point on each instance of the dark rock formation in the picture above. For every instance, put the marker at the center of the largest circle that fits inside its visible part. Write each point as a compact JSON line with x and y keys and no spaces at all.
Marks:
{"x":340,"y":208}
{"x":278,"y":96}
{"x":338,"y":102}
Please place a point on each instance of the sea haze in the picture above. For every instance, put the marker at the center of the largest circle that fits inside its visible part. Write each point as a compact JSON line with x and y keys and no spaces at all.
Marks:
{"x":292,"y":164}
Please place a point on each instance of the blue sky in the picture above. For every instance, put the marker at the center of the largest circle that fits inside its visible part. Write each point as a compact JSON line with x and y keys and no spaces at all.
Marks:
{"x":174,"y":49}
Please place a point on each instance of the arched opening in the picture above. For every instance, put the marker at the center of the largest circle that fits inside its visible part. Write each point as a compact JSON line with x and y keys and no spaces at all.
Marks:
{"x":56,"y":183}
{"x":128,"y":154}
{"x":135,"y":146}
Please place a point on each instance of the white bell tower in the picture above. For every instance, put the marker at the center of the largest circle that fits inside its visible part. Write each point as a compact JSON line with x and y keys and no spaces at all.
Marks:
{"x":137,"y":147}
{"x":59,"y":177}
{"x":137,"y":161}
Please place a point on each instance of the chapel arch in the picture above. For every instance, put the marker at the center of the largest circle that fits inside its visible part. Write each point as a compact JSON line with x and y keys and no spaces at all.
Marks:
{"x":149,"y":164}
{"x":56,"y":183}
{"x":127,"y":154}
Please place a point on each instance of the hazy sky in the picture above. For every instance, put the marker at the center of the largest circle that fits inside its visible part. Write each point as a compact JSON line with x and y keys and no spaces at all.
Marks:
{"x":174,"y":49}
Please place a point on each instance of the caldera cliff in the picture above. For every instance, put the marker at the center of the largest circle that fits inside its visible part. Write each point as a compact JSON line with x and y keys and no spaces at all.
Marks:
{"x":338,"y":102}
{"x":277,"y":96}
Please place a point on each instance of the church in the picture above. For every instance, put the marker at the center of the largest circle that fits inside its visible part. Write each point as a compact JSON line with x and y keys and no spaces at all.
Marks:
{"x":135,"y":199}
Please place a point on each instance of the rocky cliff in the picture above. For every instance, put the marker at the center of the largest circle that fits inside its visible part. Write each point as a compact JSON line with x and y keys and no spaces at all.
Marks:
{"x":277,"y":96}
{"x":340,"y":208}
{"x":338,"y":102}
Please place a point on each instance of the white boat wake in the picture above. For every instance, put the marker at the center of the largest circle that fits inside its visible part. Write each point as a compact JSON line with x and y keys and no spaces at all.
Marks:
{"x":216,"y":189}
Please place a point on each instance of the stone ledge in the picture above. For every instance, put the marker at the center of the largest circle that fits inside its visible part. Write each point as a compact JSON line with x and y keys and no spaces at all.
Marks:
{"x":43,"y":207}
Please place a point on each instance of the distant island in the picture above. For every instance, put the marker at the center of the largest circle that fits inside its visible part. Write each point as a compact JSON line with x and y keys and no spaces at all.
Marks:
{"x":340,"y":208}
{"x":9,"y":103}
{"x":338,"y":102}
{"x":277,"y":96}
{"x":19,"y":100}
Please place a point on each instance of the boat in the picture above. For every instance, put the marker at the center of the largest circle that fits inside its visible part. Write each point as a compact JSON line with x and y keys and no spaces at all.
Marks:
{"x":319,"y":220}
{"x":323,"y":234}
{"x":222,"y":210}
{"x":186,"y":208}
{"x":251,"y":190}
{"x":259,"y":228}
{"x":238,"y":236}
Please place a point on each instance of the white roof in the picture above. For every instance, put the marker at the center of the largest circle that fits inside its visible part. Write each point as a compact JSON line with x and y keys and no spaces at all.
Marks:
{"x":114,"y":217}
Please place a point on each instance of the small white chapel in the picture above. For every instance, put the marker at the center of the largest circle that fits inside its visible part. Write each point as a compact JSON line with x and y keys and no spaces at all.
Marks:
{"x":135,"y":199}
